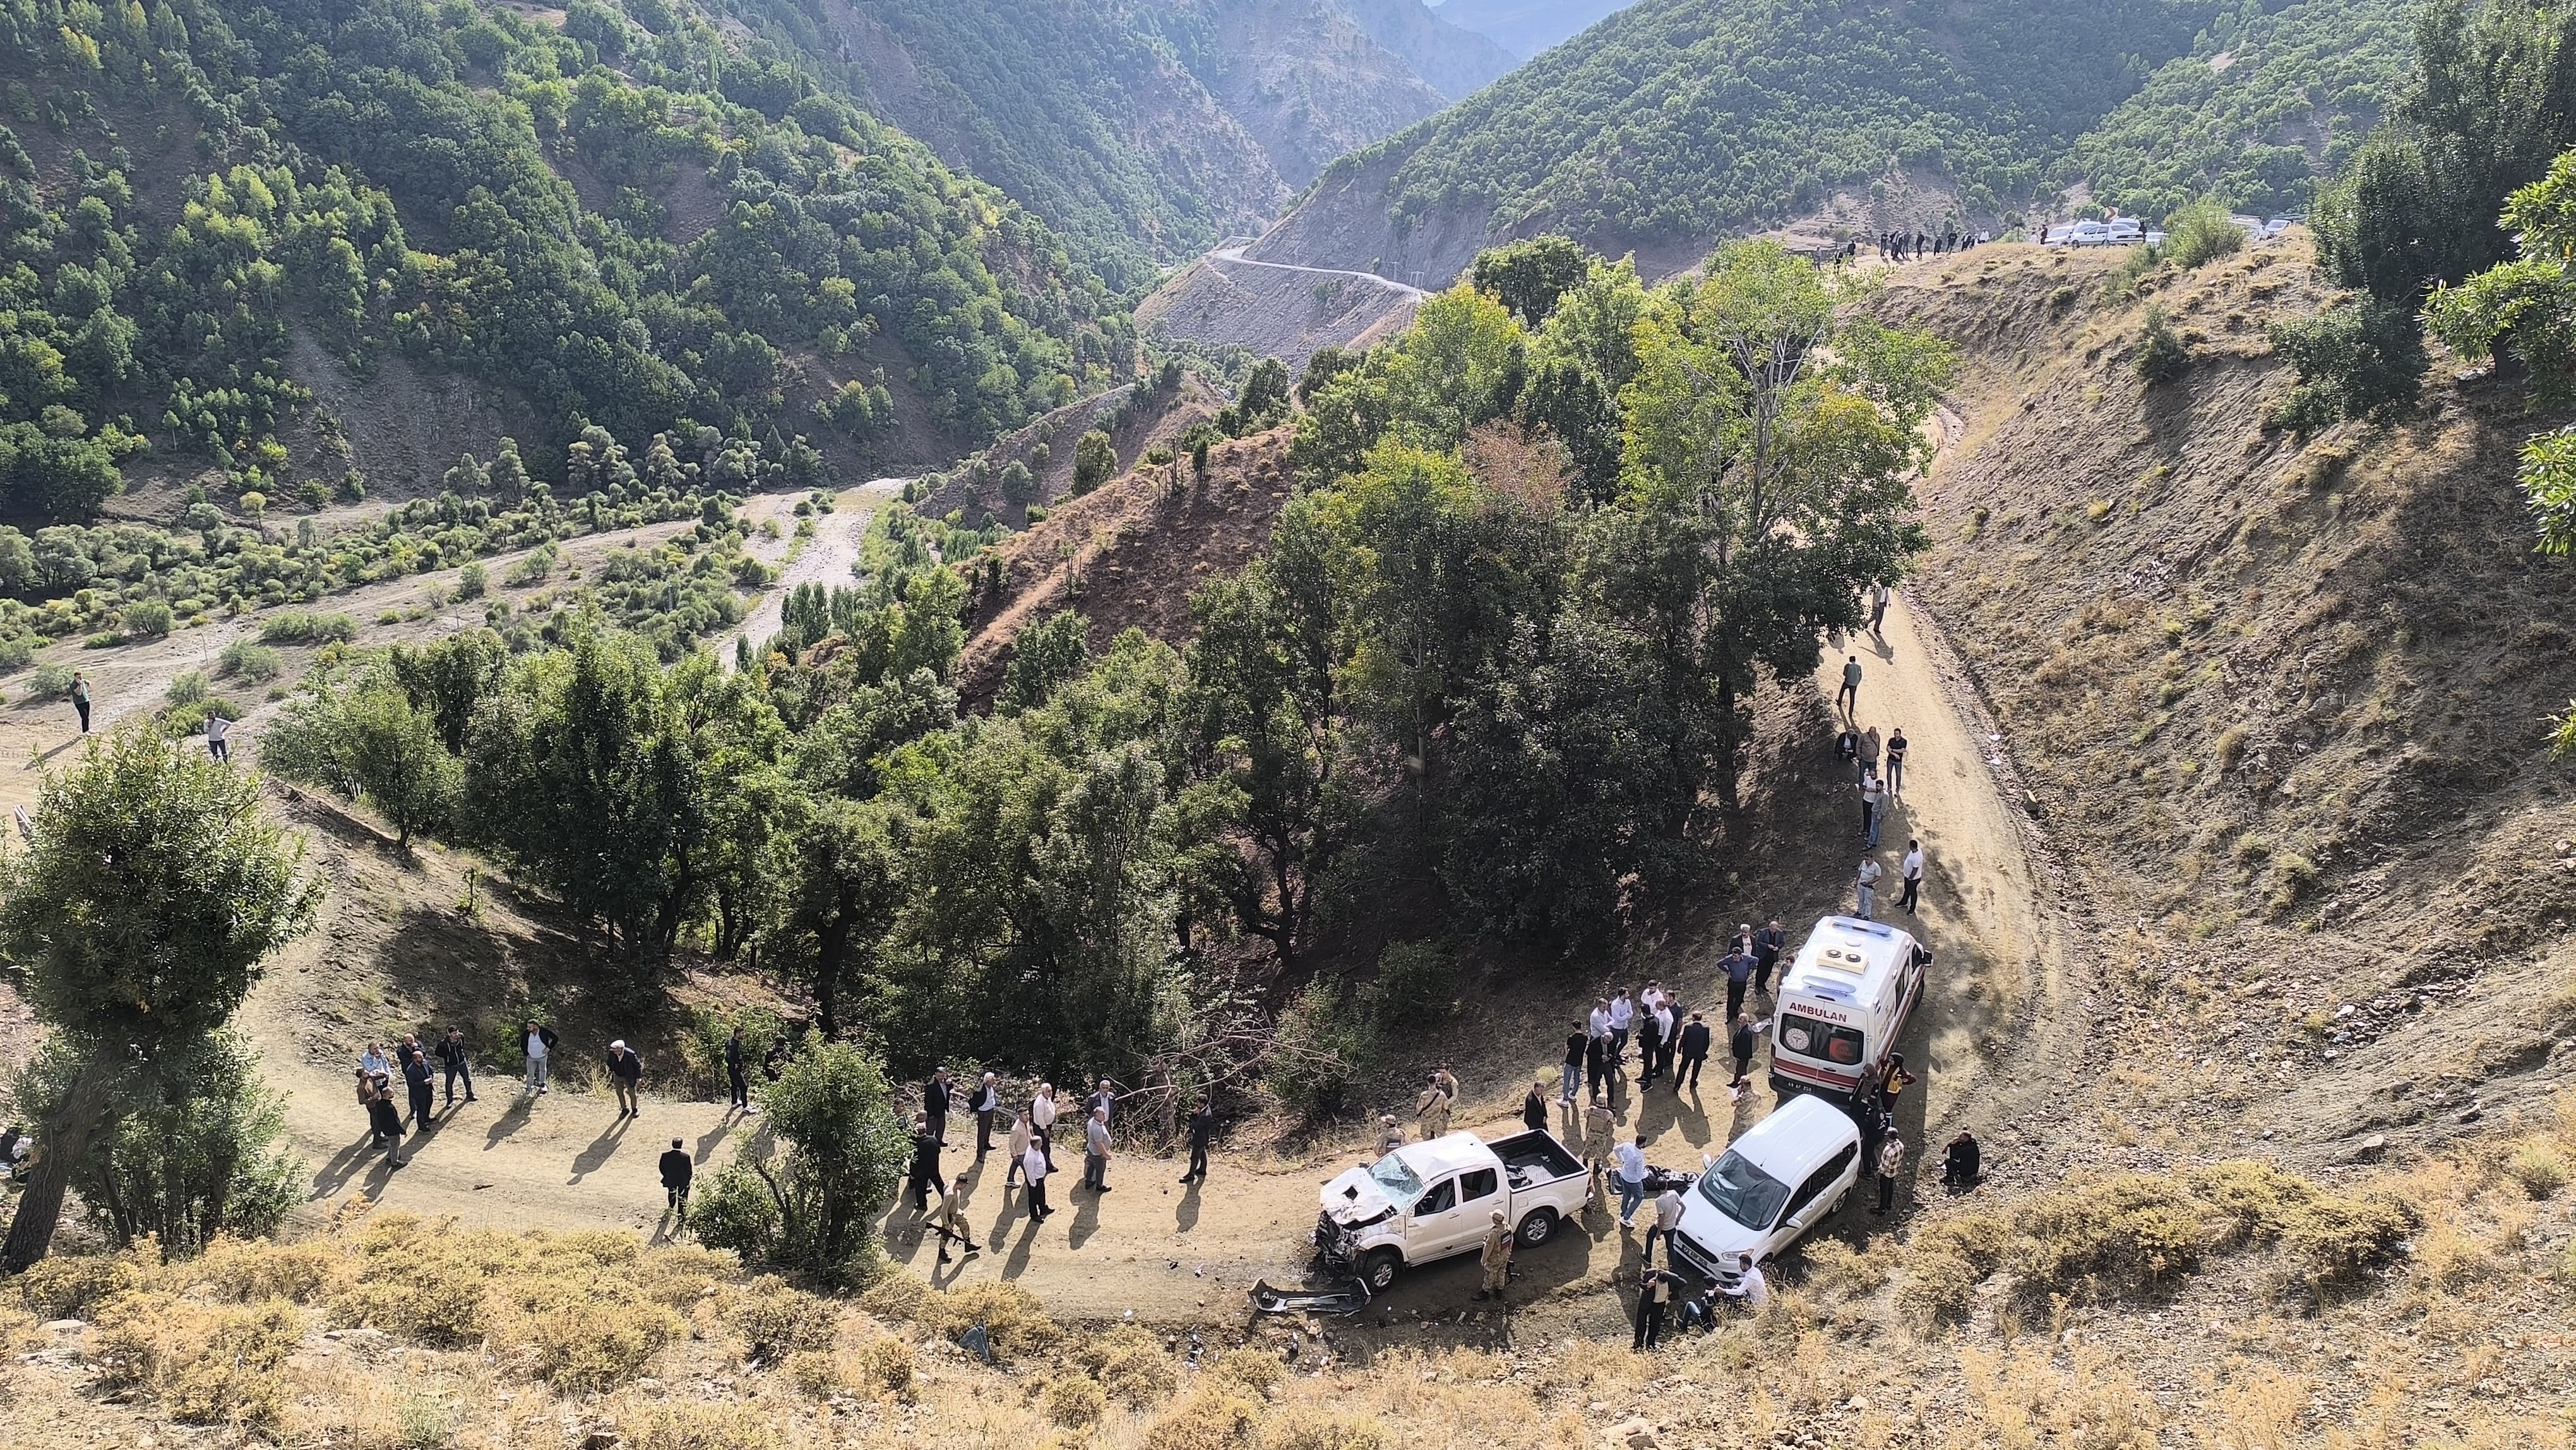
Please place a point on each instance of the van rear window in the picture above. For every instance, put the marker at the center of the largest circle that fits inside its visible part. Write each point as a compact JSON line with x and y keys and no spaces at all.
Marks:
{"x":1826,"y":1041}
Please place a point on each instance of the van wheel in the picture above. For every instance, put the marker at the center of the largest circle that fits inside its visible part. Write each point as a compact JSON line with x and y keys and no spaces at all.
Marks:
{"x":1538,"y":1228}
{"x":1378,"y":1268}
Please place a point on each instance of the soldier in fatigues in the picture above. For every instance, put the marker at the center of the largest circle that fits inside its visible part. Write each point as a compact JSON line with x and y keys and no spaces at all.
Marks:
{"x":1432,"y":1109}
{"x":1497,"y":1258}
{"x":1389,"y":1136}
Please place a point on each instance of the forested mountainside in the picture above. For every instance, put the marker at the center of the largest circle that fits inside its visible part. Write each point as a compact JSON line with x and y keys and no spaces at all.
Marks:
{"x":1677,"y":121}
{"x":1526,"y":27}
{"x":1145,"y":132}
{"x":2263,"y":107}
{"x":628,"y":222}
{"x":1457,"y":62}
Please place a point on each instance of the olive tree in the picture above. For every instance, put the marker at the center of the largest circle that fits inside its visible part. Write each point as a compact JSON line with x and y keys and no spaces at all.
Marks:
{"x":153,"y":889}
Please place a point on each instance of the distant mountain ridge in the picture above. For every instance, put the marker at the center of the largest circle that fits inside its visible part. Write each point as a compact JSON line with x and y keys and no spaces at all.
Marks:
{"x":1523,"y":28}
{"x":1142,"y":130}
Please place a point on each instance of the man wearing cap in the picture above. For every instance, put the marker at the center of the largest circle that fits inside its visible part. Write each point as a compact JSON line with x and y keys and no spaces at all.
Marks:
{"x":1496,"y":1257}
{"x":625,"y":1070}
{"x":1390,"y":1136}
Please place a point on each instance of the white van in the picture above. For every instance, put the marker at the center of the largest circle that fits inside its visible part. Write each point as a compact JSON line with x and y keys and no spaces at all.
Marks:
{"x":1773,"y":1184}
{"x":1843,"y":1005}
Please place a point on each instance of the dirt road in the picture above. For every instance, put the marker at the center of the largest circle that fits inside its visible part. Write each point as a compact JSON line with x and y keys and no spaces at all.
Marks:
{"x":825,"y":558}
{"x":1234,"y":257}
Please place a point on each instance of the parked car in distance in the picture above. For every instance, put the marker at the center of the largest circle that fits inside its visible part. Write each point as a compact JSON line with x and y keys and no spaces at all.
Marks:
{"x":1774,"y":1184}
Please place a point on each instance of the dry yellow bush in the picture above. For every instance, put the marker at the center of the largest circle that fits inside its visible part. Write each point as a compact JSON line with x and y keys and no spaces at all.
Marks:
{"x":1305,"y":1428}
{"x":1130,"y":1364}
{"x":1211,"y":1417}
{"x":246,"y":1270}
{"x":72,"y":1286}
{"x":1010,"y":1314}
{"x":679,"y":1425}
{"x":2124,"y":1230}
{"x":775,"y":1320}
{"x":1256,"y":1371}
{"x":815,"y":1373}
{"x":575,"y":1330}
{"x":1075,"y":1400}
{"x":887,"y":1364}
{"x":208,"y":1363}
{"x":1838,"y":1271}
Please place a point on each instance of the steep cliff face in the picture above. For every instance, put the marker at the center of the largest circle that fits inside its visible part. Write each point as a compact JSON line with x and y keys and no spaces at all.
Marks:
{"x":1304,"y":78}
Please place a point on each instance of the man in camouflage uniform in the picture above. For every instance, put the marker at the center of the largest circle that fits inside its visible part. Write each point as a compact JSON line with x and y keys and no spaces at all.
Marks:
{"x":1497,"y":1258}
{"x":1432,"y":1109}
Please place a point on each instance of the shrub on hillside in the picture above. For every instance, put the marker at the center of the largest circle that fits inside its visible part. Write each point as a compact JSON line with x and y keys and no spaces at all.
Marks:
{"x":686,"y":1425}
{"x":1212,"y":1418}
{"x":1322,"y":1048}
{"x":577,"y":1331}
{"x":295,"y":626}
{"x":2162,"y":354}
{"x":1095,"y":458}
{"x":245,"y":660}
{"x":1302,"y":1428}
{"x":2201,"y":232}
{"x":207,"y":1363}
{"x":50,"y":682}
{"x":776,"y":1321}
{"x":1075,"y":1401}
{"x":145,"y":619}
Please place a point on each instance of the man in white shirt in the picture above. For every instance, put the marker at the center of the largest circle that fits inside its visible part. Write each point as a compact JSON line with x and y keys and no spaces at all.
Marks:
{"x":1750,"y":1287}
{"x":372,"y":1061}
{"x":1042,"y":1118}
{"x":1870,"y":871}
{"x":216,"y":728}
{"x":1033,"y":1167}
{"x":1871,"y":793}
{"x":1911,"y":871}
{"x":539,"y":1045}
{"x":1668,"y":1216}
{"x":1623,"y":1015}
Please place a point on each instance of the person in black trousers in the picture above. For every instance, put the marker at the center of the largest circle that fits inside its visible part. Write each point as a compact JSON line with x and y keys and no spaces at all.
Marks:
{"x":1649,"y":1050}
{"x":936,"y":1095}
{"x":1768,"y":943}
{"x":1534,"y":1107}
{"x":1202,"y":1133}
{"x":986,"y":1102}
{"x":1574,"y":1062}
{"x":1739,"y":973}
{"x":1960,"y":1164}
{"x":1740,"y":1041}
{"x":1694,"y":1047}
{"x":458,"y":1060}
{"x":925,"y":1164}
{"x":1596,"y":1064}
{"x":415,"y":1071}
{"x":1655,"y":1290}
{"x":677,"y":1169}
{"x":737,"y":1073}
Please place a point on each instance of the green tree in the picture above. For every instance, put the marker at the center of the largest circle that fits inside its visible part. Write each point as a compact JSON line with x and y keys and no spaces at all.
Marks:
{"x":846,"y":1151}
{"x":1771,"y":439}
{"x":2491,"y":105}
{"x":1043,"y":657}
{"x":1529,"y":276}
{"x":580,"y":775}
{"x":367,"y":741}
{"x":153,"y":889}
{"x":194,"y":1151}
{"x":1095,"y":459}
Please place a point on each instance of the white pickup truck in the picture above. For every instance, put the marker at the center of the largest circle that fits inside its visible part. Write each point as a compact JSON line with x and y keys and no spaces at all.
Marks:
{"x":1427,"y":1201}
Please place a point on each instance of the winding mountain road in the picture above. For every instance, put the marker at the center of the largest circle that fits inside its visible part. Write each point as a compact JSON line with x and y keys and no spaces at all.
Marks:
{"x":1234,"y":255}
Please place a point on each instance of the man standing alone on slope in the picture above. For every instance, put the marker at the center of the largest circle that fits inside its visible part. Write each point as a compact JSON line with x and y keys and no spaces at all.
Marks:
{"x":1849,"y":694}
{"x":677,"y":1169}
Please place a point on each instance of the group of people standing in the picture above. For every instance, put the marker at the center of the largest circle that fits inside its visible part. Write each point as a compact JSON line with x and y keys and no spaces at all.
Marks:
{"x":1028,"y":1147}
{"x":1907,"y":246}
{"x":411,"y":1061}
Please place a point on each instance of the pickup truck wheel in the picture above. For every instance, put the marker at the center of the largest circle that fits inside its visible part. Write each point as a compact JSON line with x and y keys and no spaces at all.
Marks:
{"x":1538,"y":1228}
{"x":1378,"y":1268}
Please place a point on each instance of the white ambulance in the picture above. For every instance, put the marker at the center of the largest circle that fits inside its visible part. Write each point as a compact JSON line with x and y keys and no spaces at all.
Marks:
{"x":1843,"y":1005}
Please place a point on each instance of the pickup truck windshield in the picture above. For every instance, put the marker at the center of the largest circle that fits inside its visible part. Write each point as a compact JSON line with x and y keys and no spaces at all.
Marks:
{"x":1400,"y":1184}
{"x":1743,"y":1192}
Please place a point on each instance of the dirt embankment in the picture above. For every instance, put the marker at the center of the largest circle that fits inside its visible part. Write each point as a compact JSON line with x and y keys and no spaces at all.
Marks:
{"x":1129,"y":553}
{"x":1045,"y":447}
{"x":2282,"y":700}
{"x":1285,"y":312}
